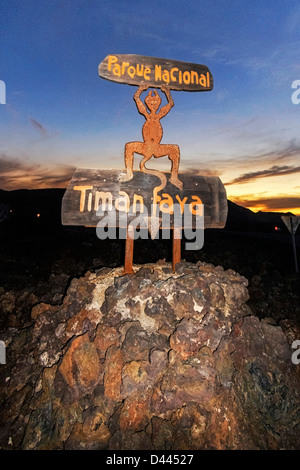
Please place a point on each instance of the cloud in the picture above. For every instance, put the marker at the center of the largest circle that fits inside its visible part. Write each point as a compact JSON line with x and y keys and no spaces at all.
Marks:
{"x":287,"y":151}
{"x":273,"y":171}
{"x":202,"y":172}
{"x":17,"y":174}
{"x":38,"y":126}
{"x":10,"y":164}
{"x":225,"y":161}
{"x":290,"y":150}
{"x":279,"y":203}
{"x":216,"y":51}
{"x":292,"y":22}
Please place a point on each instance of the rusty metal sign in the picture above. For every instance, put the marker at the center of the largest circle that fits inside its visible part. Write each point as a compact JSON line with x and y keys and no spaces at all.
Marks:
{"x":134,"y":69}
{"x":93,"y":189}
{"x":151,"y":193}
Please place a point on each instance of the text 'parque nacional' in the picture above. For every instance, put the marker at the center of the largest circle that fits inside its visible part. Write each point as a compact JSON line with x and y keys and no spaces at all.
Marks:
{"x":134,"y":70}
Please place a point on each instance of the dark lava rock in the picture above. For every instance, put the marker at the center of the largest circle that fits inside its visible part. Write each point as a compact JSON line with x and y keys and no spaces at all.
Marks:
{"x":152,"y":360}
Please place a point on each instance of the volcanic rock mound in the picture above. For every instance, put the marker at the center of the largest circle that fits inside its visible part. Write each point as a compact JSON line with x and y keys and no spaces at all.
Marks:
{"x":152,"y":360}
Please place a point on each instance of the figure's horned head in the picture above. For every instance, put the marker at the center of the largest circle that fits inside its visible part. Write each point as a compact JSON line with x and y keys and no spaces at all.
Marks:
{"x":153,"y":101}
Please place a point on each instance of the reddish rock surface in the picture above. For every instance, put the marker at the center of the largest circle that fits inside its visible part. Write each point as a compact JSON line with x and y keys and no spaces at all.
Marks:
{"x":152,"y":360}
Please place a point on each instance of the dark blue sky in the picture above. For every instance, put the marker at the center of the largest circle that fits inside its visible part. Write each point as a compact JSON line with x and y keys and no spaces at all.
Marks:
{"x":60,"y":114}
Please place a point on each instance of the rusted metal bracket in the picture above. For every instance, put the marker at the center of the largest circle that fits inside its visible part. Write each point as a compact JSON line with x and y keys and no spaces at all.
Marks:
{"x":129,"y":246}
{"x":129,"y":251}
{"x":176,"y":252}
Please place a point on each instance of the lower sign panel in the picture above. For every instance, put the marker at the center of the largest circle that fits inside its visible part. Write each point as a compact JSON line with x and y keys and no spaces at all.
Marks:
{"x":93,"y":193}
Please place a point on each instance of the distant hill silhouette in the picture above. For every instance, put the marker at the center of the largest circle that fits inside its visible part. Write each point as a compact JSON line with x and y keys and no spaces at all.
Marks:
{"x":26,"y":204}
{"x":243,"y":219}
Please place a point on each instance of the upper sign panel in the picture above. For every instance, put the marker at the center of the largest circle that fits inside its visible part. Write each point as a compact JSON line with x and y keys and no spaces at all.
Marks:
{"x":155,"y":72}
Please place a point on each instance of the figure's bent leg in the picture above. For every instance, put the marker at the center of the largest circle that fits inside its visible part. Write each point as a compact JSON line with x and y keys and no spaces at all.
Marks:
{"x":173,"y":153}
{"x":174,"y":156}
{"x":128,"y":157}
{"x":130,"y":149}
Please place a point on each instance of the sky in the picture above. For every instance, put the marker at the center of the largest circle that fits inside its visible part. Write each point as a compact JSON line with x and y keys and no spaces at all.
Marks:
{"x":60,"y":115}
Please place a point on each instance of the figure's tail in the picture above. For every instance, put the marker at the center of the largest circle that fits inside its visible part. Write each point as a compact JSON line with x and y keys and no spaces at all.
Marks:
{"x":154,"y":221}
{"x":160,"y":175}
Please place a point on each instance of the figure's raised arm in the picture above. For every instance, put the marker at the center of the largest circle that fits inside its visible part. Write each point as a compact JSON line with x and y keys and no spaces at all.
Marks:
{"x":165,"y":109}
{"x":140,"y":105}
